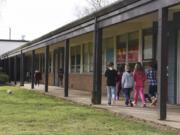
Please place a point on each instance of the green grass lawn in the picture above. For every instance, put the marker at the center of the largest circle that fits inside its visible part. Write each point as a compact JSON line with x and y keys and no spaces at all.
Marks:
{"x":30,"y":113}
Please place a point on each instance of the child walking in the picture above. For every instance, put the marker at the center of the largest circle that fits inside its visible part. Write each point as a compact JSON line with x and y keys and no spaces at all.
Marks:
{"x":127,"y":85}
{"x":111,"y":74}
{"x":139,"y":78}
{"x":118,"y":82}
{"x":151,"y":76}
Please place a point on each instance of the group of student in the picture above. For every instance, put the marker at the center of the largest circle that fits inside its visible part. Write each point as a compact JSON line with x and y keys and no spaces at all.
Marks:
{"x":126,"y":80}
{"x":38,"y":76}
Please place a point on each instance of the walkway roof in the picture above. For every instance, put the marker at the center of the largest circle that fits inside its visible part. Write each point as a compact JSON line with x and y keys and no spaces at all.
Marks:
{"x":116,"y":12}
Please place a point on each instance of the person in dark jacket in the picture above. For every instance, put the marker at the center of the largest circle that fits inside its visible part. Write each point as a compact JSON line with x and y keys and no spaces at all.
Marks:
{"x":38,"y":77}
{"x":111,"y":74}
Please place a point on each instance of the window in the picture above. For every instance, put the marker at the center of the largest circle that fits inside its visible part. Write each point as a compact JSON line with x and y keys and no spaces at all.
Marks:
{"x":91,"y":57}
{"x":107,"y":52}
{"x":121,"y":49}
{"x":127,"y":49}
{"x":75,"y":58}
{"x":88,"y":57}
{"x":49,"y":68}
{"x":78,"y":58}
{"x":85,"y":58}
{"x":41,"y":63}
{"x":37,"y":62}
{"x":147,"y":44}
{"x":133,"y":45}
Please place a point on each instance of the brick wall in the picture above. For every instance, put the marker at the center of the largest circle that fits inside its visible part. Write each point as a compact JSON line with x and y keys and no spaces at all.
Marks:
{"x":84,"y":82}
{"x":81,"y":81}
{"x":50,"y":79}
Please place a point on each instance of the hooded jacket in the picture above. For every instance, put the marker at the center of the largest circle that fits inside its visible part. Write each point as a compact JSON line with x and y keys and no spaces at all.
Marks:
{"x":139,"y":78}
{"x":111,"y":76}
{"x":127,"y":80}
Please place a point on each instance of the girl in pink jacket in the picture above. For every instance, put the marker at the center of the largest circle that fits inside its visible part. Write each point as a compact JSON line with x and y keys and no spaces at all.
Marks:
{"x":139,"y":78}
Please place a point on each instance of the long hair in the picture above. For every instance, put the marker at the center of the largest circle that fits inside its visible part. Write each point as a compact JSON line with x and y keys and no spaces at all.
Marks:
{"x":120,"y":68}
{"x":138,"y":67}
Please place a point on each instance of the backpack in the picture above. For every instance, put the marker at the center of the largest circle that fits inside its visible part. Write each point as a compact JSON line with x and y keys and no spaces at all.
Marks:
{"x":130,"y":81}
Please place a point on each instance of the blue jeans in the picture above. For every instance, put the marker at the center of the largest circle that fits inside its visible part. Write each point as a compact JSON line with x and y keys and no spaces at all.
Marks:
{"x":110,"y":93}
{"x":127,"y":92}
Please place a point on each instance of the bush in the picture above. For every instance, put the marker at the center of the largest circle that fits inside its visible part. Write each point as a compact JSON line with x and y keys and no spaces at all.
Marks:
{"x":3,"y":78}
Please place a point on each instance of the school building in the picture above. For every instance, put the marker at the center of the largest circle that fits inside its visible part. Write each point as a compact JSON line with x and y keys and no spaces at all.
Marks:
{"x":125,"y":32}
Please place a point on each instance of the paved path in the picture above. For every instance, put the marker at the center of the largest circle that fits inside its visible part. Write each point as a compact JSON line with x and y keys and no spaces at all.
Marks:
{"x":149,"y":114}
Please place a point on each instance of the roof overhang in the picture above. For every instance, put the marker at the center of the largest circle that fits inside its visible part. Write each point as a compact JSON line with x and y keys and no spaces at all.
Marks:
{"x":116,"y":13}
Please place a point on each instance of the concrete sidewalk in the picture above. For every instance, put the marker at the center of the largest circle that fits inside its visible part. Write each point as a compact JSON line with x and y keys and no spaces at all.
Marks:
{"x":149,"y":114}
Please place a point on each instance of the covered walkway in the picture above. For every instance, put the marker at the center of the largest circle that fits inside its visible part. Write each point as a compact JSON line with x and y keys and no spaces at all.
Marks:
{"x":148,"y":114}
{"x":128,"y":31}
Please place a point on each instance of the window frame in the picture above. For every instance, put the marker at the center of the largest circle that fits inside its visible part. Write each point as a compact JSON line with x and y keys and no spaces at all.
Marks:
{"x":127,"y":35}
{"x":76,"y":53}
{"x":89,"y":46}
{"x":148,"y":32}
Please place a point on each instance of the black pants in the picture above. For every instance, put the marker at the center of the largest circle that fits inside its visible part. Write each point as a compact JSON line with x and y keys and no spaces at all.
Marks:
{"x":152,"y":90}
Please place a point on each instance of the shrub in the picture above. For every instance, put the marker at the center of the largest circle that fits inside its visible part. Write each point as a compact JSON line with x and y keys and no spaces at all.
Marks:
{"x":3,"y":78}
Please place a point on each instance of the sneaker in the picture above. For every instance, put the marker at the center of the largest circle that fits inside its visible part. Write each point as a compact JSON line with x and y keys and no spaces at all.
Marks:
{"x":109,"y":103}
{"x":144,"y":105}
{"x":134,"y":104}
{"x":154,"y":101}
{"x":131,"y":104}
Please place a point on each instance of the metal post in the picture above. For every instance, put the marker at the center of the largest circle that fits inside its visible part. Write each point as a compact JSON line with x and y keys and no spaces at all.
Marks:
{"x":58,"y":63}
{"x":22,"y":69}
{"x":32,"y":69}
{"x":97,"y":72}
{"x":66,"y":67}
{"x":2,"y":64}
{"x":9,"y":69}
{"x":46,"y":67}
{"x":6,"y":67}
{"x":162,"y":61}
{"x":15,"y":70}
{"x":54,"y":74}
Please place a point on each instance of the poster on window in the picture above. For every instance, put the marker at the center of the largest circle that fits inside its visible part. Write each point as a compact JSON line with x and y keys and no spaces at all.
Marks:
{"x":133,"y":55}
{"x":133,"y":51}
{"x":121,"y":55}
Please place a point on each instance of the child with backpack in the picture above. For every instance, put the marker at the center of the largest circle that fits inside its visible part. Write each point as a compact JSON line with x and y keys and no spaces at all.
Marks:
{"x":127,"y":85}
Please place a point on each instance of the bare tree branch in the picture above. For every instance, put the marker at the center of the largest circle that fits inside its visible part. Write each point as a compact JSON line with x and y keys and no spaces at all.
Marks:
{"x":93,"y":5}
